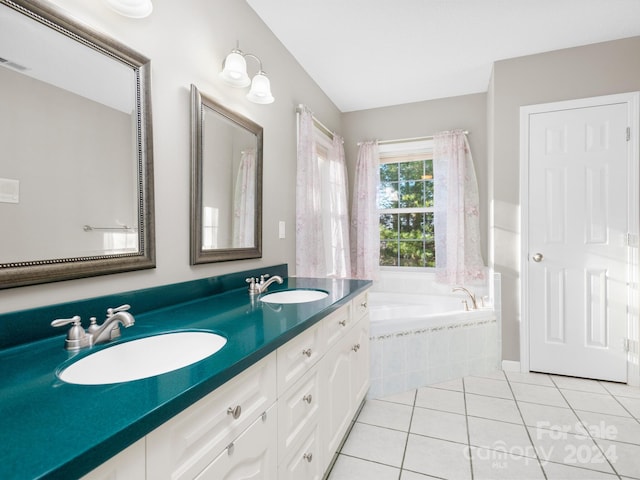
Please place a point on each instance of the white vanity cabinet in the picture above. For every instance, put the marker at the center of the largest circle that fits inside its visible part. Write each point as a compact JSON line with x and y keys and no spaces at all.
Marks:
{"x":297,"y":355}
{"x":281,"y":419}
{"x":336,"y":324}
{"x":185,"y":445}
{"x":304,"y":460}
{"x":345,"y":369}
{"x":129,"y":464}
{"x":249,"y":457}
{"x":315,"y":413}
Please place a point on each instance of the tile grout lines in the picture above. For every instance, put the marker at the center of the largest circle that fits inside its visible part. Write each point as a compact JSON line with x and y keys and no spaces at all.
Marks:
{"x":585,"y":426}
{"x":411,"y":401}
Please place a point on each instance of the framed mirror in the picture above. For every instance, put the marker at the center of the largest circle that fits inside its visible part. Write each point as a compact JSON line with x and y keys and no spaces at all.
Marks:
{"x":226,"y":183}
{"x":76,"y":175}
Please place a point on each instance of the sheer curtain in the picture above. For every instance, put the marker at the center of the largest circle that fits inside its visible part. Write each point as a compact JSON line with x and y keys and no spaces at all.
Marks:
{"x":322,"y":228}
{"x":335,"y":210}
{"x":365,"y":229}
{"x":244,"y":201}
{"x":456,"y":218}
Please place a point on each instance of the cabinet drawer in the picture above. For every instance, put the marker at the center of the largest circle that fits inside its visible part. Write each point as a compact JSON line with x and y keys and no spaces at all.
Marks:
{"x":298,"y":355}
{"x":336,"y":325}
{"x":186,"y":444}
{"x":360,"y":305}
{"x":251,"y":456}
{"x":298,"y":410}
{"x":305,"y":460}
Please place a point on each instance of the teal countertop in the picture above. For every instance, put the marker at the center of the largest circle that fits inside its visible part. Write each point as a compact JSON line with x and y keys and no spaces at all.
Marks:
{"x":51,"y":429}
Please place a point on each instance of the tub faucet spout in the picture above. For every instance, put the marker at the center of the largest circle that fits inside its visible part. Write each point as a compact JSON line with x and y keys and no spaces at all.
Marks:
{"x":474,"y":302}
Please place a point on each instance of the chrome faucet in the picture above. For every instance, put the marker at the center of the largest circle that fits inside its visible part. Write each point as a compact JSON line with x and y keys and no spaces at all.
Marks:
{"x":78,"y":338}
{"x":259,"y":285}
{"x":474,"y":302}
{"x":110,"y":329}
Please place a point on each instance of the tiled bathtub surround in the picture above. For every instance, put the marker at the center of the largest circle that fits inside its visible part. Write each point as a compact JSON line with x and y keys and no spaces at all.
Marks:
{"x":408,"y":353}
{"x":503,"y":425}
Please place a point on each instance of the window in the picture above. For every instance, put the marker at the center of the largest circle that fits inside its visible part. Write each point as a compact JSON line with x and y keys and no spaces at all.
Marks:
{"x":405,"y":206}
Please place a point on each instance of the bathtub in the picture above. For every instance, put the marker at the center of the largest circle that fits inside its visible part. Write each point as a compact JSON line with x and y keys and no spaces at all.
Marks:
{"x":418,"y":340}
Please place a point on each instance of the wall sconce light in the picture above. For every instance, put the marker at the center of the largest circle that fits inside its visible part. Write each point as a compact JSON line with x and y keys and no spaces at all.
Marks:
{"x":131,"y":8}
{"x":234,"y":73}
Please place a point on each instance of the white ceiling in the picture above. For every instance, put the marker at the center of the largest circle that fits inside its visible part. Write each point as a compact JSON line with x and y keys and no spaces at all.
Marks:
{"x":372,"y":53}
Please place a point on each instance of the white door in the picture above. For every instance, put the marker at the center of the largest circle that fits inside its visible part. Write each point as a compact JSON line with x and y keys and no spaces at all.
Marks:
{"x":578,"y":221}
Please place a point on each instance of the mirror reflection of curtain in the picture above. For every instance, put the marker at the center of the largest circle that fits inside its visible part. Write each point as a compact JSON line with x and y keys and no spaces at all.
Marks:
{"x":244,"y":201}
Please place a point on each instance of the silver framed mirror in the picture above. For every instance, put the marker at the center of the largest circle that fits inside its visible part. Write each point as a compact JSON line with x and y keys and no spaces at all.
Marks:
{"x":76,"y":176}
{"x":226,"y":183}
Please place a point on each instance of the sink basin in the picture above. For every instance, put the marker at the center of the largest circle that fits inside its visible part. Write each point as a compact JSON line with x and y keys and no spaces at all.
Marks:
{"x":294,"y":296}
{"x":142,"y":358}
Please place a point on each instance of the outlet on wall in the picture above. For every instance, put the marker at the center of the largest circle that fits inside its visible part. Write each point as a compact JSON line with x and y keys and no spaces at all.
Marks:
{"x":281,"y":229}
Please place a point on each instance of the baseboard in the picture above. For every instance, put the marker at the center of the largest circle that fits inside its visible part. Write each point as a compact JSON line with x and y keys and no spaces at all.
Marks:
{"x":510,"y":366}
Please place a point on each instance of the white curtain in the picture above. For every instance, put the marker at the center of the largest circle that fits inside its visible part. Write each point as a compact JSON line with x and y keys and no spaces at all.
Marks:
{"x":322,"y":228}
{"x":365,"y":223}
{"x":456,"y":219}
{"x":244,"y":201}
{"x":336,"y":210}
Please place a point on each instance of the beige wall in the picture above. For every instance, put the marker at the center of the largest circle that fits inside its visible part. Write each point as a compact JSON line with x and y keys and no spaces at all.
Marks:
{"x":599,"y":69}
{"x":419,"y":119}
{"x":71,"y":168}
{"x":187,"y":42}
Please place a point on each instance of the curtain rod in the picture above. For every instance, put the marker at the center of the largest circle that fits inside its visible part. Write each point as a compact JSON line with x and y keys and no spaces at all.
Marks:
{"x":318,"y":123}
{"x":405,"y":140}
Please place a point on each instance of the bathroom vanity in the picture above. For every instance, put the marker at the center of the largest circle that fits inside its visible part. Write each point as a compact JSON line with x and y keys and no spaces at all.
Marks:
{"x":276,"y":400}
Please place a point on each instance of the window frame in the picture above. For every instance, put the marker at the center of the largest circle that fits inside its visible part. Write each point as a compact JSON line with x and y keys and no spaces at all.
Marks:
{"x":399,"y":152}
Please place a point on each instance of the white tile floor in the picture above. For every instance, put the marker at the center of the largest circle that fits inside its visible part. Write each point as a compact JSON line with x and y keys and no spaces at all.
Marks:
{"x":504,"y":425}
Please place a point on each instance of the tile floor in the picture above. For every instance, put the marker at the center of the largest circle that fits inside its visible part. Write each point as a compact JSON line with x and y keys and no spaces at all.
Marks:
{"x":504,"y":425}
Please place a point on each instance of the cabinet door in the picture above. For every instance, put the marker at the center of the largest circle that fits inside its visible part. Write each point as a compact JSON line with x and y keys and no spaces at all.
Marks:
{"x":298,"y":411}
{"x":252,"y":456}
{"x":360,"y":362}
{"x":127,"y":465}
{"x":298,"y":355}
{"x":183,"y":446}
{"x":304,"y":461}
{"x":337,"y":402}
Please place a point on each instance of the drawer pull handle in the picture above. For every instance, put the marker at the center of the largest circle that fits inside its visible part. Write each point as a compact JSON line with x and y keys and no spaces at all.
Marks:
{"x":364,"y":304}
{"x":356,"y":347}
{"x":308,"y":457}
{"x":307,"y":352}
{"x":343,"y":323}
{"x":234,"y":412}
{"x":230,"y":448}
{"x":307,"y":398}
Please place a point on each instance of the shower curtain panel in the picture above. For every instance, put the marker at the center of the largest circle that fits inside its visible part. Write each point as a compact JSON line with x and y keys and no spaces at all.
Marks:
{"x":456,"y":217}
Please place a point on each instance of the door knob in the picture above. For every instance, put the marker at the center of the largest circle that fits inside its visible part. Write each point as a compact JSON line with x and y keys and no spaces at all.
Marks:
{"x":537,"y":257}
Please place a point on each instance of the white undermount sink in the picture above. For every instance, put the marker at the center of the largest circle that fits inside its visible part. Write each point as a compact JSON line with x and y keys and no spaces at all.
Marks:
{"x":294,"y":296}
{"x":143,"y":358}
